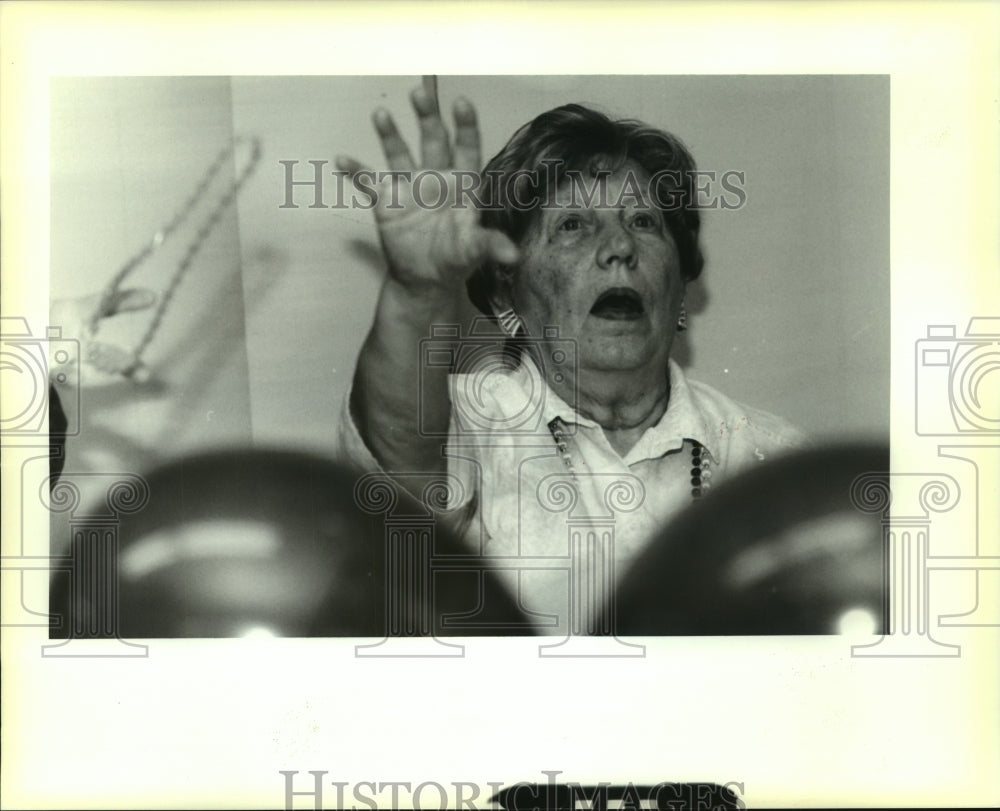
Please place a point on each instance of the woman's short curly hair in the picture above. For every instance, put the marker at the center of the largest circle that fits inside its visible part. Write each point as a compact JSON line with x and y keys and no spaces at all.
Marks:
{"x":577,"y":139}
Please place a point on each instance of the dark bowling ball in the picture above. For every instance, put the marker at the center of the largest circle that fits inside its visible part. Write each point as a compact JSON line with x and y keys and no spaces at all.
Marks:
{"x":777,"y":550}
{"x":275,"y":543}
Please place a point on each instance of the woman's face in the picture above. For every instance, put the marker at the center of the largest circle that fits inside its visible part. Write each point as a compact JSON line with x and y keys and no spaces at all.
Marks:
{"x":606,"y":274}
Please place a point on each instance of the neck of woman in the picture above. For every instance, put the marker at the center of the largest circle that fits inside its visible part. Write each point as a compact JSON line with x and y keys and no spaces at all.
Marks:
{"x":623,"y":403}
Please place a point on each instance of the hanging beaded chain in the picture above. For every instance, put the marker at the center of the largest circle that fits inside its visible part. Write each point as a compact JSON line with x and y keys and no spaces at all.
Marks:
{"x":700,"y":461}
{"x":558,"y":430}
{"x":201,"y":236}
{"x":701,"y":470}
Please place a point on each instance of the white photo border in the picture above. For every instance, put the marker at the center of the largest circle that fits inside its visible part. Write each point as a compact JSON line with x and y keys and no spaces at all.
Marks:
{"x":795,"y":722}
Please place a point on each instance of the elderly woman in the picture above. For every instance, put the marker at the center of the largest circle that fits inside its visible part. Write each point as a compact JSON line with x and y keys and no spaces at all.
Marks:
{"x":567,"y":450}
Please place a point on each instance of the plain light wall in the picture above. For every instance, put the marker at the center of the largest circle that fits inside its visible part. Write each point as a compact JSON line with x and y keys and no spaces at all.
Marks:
{"x":791,"y":313}
{"x":125,"y":155}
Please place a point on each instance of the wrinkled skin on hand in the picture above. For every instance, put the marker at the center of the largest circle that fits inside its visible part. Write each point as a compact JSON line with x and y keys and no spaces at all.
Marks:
{"x":431,"y":248}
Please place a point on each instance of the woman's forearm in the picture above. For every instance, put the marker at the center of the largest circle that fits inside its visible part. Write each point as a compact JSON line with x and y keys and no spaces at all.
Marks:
{"x":402,"y":407}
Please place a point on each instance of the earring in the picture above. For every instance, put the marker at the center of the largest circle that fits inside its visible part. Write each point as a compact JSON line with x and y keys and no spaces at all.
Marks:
{"x":682,"y":318}
{"x":510,"y":322}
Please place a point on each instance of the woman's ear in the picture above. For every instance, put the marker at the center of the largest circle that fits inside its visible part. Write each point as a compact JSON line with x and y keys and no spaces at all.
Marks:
{"x":502,"y":304}
{"x":501,"y":296}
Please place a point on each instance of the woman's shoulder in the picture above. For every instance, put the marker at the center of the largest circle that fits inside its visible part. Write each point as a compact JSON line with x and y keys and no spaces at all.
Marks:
{"x":496,"y":397}
{"x":738,"y":422}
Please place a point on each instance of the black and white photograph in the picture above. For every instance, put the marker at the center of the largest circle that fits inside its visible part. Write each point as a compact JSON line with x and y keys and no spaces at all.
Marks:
{"x":368,"y":400}
{"x":296,"y":341}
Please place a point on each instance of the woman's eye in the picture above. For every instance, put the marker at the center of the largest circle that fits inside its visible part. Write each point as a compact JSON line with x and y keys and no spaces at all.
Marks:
{"x":644,"y":221}
{"x":570,"y":224}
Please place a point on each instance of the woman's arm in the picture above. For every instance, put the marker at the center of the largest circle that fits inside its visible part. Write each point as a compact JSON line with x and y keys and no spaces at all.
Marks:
{"x":430,"y":251}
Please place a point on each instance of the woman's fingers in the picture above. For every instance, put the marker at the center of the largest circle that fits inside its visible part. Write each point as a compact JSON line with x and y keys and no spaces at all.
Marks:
{"x":467,"y":156}
{"x":434,"y":147}
{"x":430,"y":85}
{"x":352,"y":167}
{"x":428,"y":241}
{"x":397,"y":153}
{"x":477,"y":245}
{"x":349,"y":165}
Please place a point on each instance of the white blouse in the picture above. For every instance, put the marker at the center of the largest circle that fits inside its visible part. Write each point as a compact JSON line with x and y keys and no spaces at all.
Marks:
{"x":552,"y":507}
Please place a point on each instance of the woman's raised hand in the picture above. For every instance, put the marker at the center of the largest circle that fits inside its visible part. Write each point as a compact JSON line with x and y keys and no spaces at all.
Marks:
{"x":430,"y":243}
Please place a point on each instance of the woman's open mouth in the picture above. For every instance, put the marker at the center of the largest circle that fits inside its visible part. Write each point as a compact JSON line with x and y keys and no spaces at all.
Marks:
{"x":618,"y":304}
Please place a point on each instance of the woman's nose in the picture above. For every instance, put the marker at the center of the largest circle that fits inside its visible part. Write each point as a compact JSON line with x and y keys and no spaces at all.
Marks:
{"x":617,"y":248}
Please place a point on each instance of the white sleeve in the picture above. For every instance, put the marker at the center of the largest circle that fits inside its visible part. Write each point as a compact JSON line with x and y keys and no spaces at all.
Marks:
{"x":351,"y":449}
{"x":463,"y":464}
